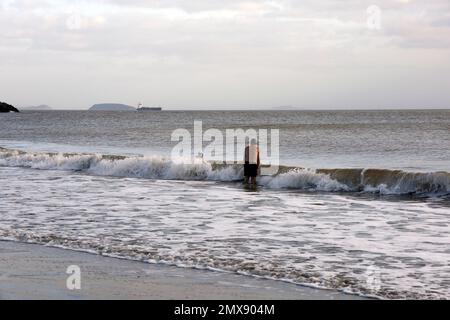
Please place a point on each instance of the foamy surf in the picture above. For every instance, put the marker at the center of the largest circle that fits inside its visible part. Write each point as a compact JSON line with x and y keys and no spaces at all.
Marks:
{"x":381,"y":181}
{"x":332,"y":240}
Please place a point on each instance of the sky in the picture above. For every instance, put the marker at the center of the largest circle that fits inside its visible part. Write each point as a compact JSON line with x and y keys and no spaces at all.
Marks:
{"x":219,"y":54}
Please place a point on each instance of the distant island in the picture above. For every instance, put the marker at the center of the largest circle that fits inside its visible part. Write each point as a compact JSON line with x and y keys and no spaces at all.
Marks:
{"x":4,"y":107}
{"x":285,"y":108}
{"x":111,"y":107}
{"x":41,"y":107}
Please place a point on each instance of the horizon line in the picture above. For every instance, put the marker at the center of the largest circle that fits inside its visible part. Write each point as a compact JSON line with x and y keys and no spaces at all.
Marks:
{"x":262,"y":109}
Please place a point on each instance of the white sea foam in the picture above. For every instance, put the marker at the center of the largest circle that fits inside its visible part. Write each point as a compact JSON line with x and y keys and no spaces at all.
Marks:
{"x":157,"y":167}
{"x":305,"y":179}
{"x":321,"y":239}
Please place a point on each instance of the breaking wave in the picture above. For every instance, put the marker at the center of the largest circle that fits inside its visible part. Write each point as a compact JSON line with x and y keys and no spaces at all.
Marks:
{"x":382,"y":181}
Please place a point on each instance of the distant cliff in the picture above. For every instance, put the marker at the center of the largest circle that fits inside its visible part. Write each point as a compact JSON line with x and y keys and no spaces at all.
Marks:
{"x":111,"y":107}
{"x":4,"y":107}
{"x":37,"y":108}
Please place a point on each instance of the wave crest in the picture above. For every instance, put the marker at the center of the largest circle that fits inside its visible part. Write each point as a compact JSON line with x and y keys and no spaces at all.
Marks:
{"x":381,"y":181}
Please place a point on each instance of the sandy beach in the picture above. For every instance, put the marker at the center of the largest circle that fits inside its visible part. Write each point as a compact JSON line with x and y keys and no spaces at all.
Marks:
{"x":29,"y":271}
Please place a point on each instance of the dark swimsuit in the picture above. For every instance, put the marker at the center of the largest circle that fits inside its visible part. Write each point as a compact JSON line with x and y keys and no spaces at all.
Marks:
{"x":250,"y":170}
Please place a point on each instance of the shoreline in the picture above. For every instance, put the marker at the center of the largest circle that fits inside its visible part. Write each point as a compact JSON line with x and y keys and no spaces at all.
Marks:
{"x":34,"y":272}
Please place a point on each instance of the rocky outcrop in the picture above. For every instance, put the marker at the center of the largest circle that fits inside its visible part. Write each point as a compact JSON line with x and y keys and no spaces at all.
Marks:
{"x":4,"y":107}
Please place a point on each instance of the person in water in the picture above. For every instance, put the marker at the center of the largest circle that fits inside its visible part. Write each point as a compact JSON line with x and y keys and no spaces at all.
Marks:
{"x":251,"y":162}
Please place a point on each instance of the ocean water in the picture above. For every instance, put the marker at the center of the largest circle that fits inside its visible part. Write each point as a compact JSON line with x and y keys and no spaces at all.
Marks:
{"x":361,"y":202}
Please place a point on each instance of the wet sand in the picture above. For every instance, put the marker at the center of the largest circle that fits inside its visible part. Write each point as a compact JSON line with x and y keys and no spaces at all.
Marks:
{"x":29,"y":271}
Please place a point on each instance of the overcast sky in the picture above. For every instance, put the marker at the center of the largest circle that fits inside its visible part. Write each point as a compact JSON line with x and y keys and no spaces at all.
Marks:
{"x":223,"y":54}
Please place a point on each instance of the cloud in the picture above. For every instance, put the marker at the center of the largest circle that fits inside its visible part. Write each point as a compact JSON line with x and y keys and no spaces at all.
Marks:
{"x":275,"y":49}
{"x":41,"y":21}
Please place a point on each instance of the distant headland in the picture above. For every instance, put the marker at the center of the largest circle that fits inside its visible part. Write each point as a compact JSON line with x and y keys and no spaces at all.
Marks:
{"x":4,"y":107}
{"x":42,"y":107}
{"x":111,"y":107}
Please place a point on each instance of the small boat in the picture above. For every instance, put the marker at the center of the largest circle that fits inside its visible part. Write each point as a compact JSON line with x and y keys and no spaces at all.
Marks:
{"x":142,"y":108}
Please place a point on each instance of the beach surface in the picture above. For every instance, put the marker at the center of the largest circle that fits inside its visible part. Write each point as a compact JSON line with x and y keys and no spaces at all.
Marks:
{"x":29,"y":271}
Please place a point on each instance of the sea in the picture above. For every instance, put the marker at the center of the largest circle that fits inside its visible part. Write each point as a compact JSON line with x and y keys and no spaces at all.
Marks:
{"x":360,"y":202}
